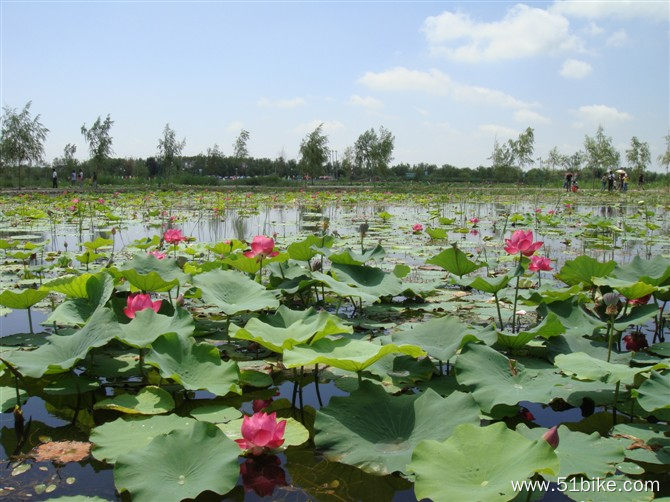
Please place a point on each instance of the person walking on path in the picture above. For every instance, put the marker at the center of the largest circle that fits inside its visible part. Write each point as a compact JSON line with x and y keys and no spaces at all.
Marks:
{"x":54,"y":178}
{"x":81,"y":176}
{"x":568,"y":182}
{"x":73,"y":178}
{"x":610,"y":181}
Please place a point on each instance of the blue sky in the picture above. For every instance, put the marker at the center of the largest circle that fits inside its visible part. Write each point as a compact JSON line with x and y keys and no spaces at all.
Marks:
{"x":447,"y":78}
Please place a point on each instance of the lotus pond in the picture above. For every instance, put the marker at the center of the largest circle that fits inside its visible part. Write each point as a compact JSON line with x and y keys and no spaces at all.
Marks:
{"x":346,"y":345}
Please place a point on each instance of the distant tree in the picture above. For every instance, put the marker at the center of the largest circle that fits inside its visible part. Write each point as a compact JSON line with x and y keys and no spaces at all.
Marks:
{"x":240,"y":146}
{"x":664,"y":158}
{"x":314,"y":152}
{"x":213,"y":160}
{"x":522,"y":148}
{"x":68,"y":155}
{"x":348,"y":164}
{"x":153,"y":167}
{"x":555,"y":159}
{"x":22,"y":137}
{"x":373,"y":152}
{"x":169,"y":149}
{"x":502,"y":155}
{"x":99,"y":140}
{"x":600,"y":153}
{"x":638,"y":156}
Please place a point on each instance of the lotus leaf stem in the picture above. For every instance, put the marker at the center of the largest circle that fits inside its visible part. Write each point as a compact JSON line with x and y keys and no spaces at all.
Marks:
{"x":316,"y":384}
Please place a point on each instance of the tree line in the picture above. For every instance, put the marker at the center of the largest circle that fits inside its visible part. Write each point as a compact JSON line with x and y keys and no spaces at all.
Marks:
{"x":369,"y":158}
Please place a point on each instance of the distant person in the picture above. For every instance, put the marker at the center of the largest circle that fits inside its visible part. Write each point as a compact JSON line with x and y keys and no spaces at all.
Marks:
{"x":603,"y":182}
{"x":95,"y":180}
{"x":73,"y":177}
{"x":568,"y":182}
{"x":640,"y":180}
{"x":81,"y":176}
{"x":624,"y":182}
{"x":54,"y":178}
{"x":575,"y":185}
{"x":610,"y":181}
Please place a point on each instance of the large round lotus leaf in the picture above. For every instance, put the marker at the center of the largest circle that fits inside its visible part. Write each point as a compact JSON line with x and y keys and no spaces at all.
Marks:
{"x":194,"y":365}
{"x":149,"y":282}
{"x":549,"y":327}
{"x":638,"y":315}
{"x":63,"y":351}
{"x":343,"y":289}
{"x":585,"y":367}
{"x":478,"y":463}
{"x":455,"y":261}
{"x":345,"y":353}
{"x":573,"y":317}
{"x":352,"y":257}
{"x":233,"y":292}
{"x":127,"y":434}
{"x":97,"y":289}
{"x":302,"y":250}
{"x":287,"y":328}
{"x":442,"y":337}
{"x":150,"y":400}
{"x":646,"y":443}
{"x":620,"y":491}
{"x":377,"y":432}
{"x":578,"y":453}
{"x":78,"y":286}
{"x":179,"y":465}
{"x":371,"y":280}
{"x":295,"y":433}
{"x":148,"y":325}
{"x":654,"y":393}
{"x":497,"y":380}
{"x":168,"y":268}
{"x":215,"y":413}
{"x":655,"y":271}
{"x":630,"y":289}
{"x":23,"y":300}
{"x":583,"y":269}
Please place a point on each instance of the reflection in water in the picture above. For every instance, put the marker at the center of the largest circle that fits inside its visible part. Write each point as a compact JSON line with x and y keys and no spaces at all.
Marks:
{"x":262,"y":474}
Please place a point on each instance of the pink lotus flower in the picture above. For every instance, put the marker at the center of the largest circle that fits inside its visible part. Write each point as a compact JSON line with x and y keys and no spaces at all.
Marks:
{"x":138,"y":302}
{"x":635,"y":341}
{"x":640,"y":301}
{"x":568,"y":206}
{"x":551,"y":437}
{"x":173,"y":236}
{"x":417,"y":227}
{"x":551,"y":211}
{"x":474,"y":220}
{"x":474,"y":232}
{"x":260,"y":404}
{"x":538,"y":263}
{"x":261,"y":247}
{"x":261,"y":431}
{"x":101,"y":200}
{"x":75,"y":201}
{"x":522,"y":242}
{"x":538,"y":210}
{"x":159,"y":255}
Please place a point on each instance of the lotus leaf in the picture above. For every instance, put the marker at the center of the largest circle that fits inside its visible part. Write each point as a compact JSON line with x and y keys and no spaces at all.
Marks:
{"x":586,"y":367}
{"x":23,"y":300}
{"x":232,"y":292}
{"x":455,"y":261}
{"x":87,"y":297}
{"x":583,"y":269}
{"x":654,"y":393}
{"x":148,"y":325}
{"x":150,"y":400}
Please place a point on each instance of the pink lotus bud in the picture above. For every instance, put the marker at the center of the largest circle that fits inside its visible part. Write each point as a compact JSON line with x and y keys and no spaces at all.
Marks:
{"x":551,"y":437}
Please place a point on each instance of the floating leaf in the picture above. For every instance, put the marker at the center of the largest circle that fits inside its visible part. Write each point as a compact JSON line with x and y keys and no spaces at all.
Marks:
{"x":233,"y":292}
{"x":215,"y":413}
{"x":149,"y":400}
{"x":184,"y":463}
{"x":371,"y":280}
{"x":478,"y":463}
{"x":62,"y":451}
{"x":378,"y":432}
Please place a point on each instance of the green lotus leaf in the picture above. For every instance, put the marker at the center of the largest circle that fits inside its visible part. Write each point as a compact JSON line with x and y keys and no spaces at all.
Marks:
{"x":128,"y":434}
{"x":287,"y":328}
{"x":662,"y":349}
{"x":227,"y":247}
{"x":646,"y":443}
{"x":490,"y":285}
{"x":455,"y":261}
{"x":620,"y":487}
{"x":549,"y":327}
{"x":638,"y":315}
{"x":583,"y":269}
{"x":346,"y":353}
{"x":148,"y":325}
{"x":151,"y":281}
{"x":377,"y":432}
{"x":8,"y":398}
{"x":442,"y":337}
{"x":295,"y":433}
{"x":573,"y":317}
{"x":371,"y":280}
{"x":194,"y":366}
{"x":215,"y":413}
{"x":550,"y":294}
{"x":437,"y":233}
{"x":67,"y":384}
{"x":342,"y":289}
{"x":401,"y":270}
{"x":89,"y":256}
{"x":631,"y":290}
{"x":654,"y":393}
{"x":233,"y":292}
{"x":150,"y":400}
{"x":72,"y":286}
{"x":478,"y":463}
{"x":87,"y":297}
{"x":184,"y":463}
{"x":655,"y":272}
{"x":167,"y":268}
{"x":303,"y":251}
{"x":63,"y":351}
{"x":99,"y":242}
{"x":23,"y":300}
{"x":579,"y":453}
{"x":251,"y":265}
{"x":256,"y":379}
{"x":586,"y":367}
{"x":350,"y":257}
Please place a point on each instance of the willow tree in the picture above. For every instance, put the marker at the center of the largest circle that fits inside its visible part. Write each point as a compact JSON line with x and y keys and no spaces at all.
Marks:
{"x":314,"y":152}
{"x":99,"y":140}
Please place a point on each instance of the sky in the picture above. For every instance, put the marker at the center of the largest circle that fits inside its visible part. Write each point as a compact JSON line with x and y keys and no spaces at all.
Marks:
{"x":446,"y":78}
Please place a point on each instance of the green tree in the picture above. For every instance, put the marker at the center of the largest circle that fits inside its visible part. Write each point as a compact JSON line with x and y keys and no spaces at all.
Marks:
{"x":169,"y":149}
{"x":638,"y":156}
{"x":240,"y":146}
{"x":22,"y":137}
{"x":373,"y":152}
{"x":664,"y":158}
{"x":502,"y":155}
{"x":555,"y":159}
{"x":600,"y":153}
{"x":314,"y":153}
{"x":99,"y":140}
{"x":522,"y":148}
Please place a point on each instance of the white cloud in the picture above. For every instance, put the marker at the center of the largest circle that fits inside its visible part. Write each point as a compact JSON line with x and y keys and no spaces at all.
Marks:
{"x":622,"y":9}
{"x":523,"y":32}
{"x":594,"y":30}
{"x":281,"y":103}
{"x":436,"y":82}
{"x":530,"y":117}
{"x":329,"y":126}
{"x":498,"y":131}
{"x":366,"y":102}
{"x":600,"y":115}
{"x":421,"y":111}
{"x":574,"y":68}
{"x":234,"y":126}
{"x":617,"y":39}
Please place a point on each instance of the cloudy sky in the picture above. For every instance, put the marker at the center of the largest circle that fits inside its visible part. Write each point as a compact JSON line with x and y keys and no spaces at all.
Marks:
{"x":447,"y":78}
